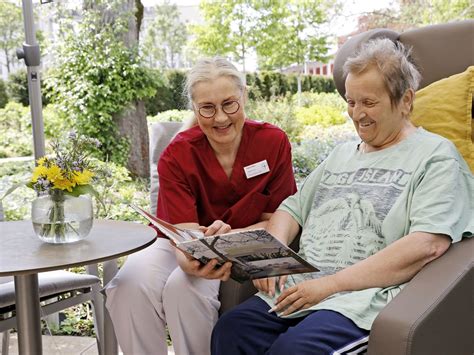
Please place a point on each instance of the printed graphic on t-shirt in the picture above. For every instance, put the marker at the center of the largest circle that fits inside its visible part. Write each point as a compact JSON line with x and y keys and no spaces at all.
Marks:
{"x":345,"y":222}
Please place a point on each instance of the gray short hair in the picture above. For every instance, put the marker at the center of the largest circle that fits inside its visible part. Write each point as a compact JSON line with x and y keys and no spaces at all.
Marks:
{"x":393,"y":62}
{"x":208,"y":69}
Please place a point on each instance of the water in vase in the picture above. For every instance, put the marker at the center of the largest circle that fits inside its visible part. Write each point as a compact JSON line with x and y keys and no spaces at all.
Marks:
{"x":71,"y":230}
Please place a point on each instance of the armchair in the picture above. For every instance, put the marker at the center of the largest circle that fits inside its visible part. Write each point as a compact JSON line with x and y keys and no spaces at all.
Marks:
{"x":433,"y":313}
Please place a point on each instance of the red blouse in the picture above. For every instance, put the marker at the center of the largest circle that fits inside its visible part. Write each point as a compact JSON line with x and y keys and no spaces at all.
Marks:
{"x":195,"y":188}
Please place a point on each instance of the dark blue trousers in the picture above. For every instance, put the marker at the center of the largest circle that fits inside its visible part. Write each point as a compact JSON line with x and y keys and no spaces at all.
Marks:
{"x":250,"y":329}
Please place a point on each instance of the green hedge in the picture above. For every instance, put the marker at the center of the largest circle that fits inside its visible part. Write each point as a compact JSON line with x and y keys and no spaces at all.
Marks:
{"x":169,"y":93}
{"x":262,"y":86}
{"x":265,"y":85}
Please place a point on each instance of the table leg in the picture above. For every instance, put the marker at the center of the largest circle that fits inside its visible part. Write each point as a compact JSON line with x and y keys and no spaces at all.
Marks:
{"x":110,"y":341}
{"x":28,"y":314}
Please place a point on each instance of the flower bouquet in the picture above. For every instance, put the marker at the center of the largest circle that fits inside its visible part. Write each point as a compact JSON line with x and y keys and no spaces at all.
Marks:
{"x":62,"y":212}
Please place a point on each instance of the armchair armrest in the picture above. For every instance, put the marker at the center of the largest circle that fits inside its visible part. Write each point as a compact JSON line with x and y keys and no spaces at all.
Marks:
{"x":433,"y":313}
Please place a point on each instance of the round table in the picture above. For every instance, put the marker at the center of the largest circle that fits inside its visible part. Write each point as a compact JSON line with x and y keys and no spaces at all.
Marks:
{"x":23,"y":255}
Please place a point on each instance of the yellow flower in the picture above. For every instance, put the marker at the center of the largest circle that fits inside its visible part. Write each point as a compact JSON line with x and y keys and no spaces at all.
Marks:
{"x":64,"y":184}
{"x":42,"y":161}
{"x":83,"y":178}
{"x":38,"y":172}
{"x":54,"y":173}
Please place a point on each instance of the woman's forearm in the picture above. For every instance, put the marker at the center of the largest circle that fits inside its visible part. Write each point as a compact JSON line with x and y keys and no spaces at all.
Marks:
{"x":283,"y":226}
{"x":393,"y":265}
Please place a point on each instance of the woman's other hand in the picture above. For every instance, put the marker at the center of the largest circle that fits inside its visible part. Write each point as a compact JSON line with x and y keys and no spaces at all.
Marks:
{"x":209,"y":271}
{"x":268,"y":285}
{"x":304,"y":295}
{"x":217,"y":227}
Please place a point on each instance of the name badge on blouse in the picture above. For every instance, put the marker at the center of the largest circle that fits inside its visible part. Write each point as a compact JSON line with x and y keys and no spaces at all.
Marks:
{"x":256,"y":169}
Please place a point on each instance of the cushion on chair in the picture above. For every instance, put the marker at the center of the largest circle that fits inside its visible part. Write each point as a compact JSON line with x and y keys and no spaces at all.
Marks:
{"x":444,"y":107}
{"x":161,"y":134}
{"x":50,"y":283}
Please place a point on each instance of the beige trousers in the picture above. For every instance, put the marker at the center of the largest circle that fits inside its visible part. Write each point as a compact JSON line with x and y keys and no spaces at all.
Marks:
{"x":151,"y":291}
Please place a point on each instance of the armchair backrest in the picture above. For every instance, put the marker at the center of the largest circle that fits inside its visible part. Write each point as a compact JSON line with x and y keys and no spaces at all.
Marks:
{"x":439,"y":50}
{"x":161,"y":134}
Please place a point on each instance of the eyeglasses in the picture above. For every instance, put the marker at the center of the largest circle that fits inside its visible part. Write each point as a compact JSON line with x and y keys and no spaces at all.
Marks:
{"x":229,"y":107}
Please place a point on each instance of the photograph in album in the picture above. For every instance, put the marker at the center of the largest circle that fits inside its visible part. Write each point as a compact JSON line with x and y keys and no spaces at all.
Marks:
{"x":254,"y":253}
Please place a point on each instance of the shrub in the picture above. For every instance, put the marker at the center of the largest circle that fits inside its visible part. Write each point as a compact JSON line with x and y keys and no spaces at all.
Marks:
{"x":163,"y":99}
{"x":169,"y":92}
{"x":267,"y":84}
{"x":278,"y":111}
{"x":170,"y":116}
{"x":176,"y":80}
{"x":332,"y":99}
{"x":98,"y":76}
{"x":15,"y":131}
{"x":3,"y":94}
{"x":319,"y":115}
{"x":17,"y":87}
{"x":316,"y":144}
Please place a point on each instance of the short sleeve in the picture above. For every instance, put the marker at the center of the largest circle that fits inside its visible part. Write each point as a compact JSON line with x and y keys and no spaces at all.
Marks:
{"x":299,"y":205}
{"x":283,"y":182}
{"x":176,"y":202}
{"x":443,"y":199}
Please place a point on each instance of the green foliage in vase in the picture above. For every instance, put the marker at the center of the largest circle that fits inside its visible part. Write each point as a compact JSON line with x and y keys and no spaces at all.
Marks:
{"x":95,"y":77}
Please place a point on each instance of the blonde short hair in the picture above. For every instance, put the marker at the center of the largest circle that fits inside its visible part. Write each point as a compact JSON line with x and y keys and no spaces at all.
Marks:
{"x":209,"y":69}
{"x":392,"y":61}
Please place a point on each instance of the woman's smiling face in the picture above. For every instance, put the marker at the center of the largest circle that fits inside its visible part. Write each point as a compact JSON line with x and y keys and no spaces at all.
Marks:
{"x":377,"y":121}
{"x":223,"y":129}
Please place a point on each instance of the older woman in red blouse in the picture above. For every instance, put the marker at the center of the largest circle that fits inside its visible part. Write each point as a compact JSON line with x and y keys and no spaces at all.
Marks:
{"x":227,"y":172}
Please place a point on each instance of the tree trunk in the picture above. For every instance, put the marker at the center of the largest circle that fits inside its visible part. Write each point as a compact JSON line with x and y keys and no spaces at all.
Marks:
{"x":131,"y":122}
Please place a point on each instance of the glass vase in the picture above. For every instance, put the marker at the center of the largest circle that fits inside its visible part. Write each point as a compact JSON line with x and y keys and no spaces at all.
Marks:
{"x":59,"y":218}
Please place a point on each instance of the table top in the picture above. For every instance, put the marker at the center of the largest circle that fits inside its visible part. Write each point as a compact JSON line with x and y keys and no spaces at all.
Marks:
{"x":21,"y":252}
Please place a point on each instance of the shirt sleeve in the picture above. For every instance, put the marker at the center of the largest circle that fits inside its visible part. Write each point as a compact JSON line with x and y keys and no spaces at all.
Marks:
{"x":443,"y":199}
{"x":176,"y":202}
{"x":283,"y":182}
{"x":299,"y":205}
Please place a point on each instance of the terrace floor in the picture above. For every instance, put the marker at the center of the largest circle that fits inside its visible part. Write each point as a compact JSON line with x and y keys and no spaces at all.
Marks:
{"x":64,"y":345}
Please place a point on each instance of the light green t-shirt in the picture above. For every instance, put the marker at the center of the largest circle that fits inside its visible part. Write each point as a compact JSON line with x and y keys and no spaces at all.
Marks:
{"x":355,"y":204}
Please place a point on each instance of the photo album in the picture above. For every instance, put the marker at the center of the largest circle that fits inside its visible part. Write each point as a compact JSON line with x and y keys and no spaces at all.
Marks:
{"x":254,"y":253}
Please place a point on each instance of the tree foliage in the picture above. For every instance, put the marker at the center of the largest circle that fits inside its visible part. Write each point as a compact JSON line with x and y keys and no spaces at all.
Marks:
{"x":428,"y":12}
{"x":97,"y":76}
{"x":229,"y":28}
{"x":416,"y":13}
{"x":11,"y":31}
{"x":280,"y":32}
{"x":166,"y":37}
{"x":292,"y":32}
